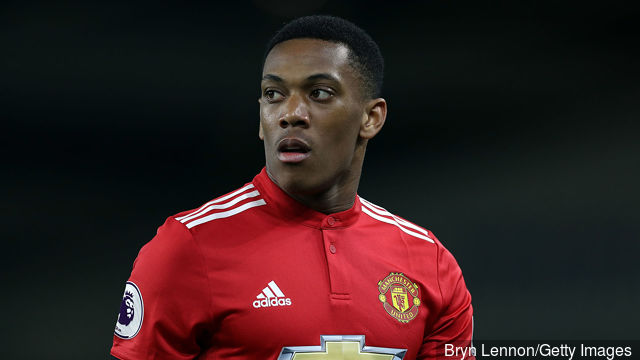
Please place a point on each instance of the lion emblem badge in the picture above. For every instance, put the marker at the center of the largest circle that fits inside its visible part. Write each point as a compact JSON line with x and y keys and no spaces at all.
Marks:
{"x":399,"y":296}
{"x":131,"y":312}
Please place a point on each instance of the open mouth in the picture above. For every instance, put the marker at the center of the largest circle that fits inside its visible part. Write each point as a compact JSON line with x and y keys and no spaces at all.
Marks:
{"x":293,"y":150}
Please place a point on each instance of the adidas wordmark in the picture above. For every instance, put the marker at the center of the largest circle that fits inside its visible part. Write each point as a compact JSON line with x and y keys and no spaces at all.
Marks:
{"x":271,"y":296}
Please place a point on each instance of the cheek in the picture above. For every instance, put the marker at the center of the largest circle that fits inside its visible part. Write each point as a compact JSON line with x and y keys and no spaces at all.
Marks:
{"x":263,"y":112}
{"x":267,"y":120}
{"x":344,"y":133}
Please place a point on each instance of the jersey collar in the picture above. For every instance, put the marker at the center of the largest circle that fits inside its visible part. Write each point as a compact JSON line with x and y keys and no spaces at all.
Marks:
{"x":289,"y":209}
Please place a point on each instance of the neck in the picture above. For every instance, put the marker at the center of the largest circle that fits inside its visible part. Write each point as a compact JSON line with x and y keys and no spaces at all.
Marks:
{"x":336,"y":196}
{"x":340,"y":196}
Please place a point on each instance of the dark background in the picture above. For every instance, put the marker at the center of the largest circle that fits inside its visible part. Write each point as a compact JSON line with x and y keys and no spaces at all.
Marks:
{"x":512,"y":134}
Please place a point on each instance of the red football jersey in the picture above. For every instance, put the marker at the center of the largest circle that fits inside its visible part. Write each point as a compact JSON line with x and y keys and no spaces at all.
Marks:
{"x":255,"y":274}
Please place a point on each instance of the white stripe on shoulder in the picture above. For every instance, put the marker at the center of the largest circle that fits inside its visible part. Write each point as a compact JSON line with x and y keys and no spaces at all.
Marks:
{"x":225,"y":214}
{"x":393,"y":222}
{"x":372,"y":204}
{"x":379,"y":214}
{"x":379,"y":210}
{"x":220,"y":206}
{"x":221,"y":199}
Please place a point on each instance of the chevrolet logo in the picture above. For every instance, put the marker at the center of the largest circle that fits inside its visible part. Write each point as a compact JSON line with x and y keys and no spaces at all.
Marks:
{"x":341,"y":347}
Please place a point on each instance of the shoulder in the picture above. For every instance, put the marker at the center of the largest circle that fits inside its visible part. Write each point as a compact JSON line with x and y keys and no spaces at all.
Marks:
{"x":406,"y":227}
{"x":422,"y":242}
{"x":176,"y":236}
{"x":222,"y":207}
{"x":170,"y":248}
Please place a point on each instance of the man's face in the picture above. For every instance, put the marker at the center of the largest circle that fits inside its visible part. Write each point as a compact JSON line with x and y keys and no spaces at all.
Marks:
{"x":311,"y":110}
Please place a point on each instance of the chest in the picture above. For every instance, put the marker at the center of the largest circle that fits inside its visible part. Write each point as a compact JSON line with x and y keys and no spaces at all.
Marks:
{"x":280,"y":288}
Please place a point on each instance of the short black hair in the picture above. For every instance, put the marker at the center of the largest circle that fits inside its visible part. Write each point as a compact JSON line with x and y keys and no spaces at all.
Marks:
{"x":364,"y":53}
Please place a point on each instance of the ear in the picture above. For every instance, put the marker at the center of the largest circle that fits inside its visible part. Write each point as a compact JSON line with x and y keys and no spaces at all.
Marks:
{"x":373,"y":119}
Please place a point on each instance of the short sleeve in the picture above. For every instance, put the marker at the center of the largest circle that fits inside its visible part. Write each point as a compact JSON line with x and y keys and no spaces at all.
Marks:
{"x":166,"y":310}
{"x":454,"y":325}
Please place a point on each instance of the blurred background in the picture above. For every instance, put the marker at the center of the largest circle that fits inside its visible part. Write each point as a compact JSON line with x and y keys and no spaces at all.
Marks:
{"x":512,"y":134}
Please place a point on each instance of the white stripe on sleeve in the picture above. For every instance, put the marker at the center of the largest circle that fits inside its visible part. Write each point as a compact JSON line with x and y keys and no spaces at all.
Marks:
{"x":239,"y":191}
{"x":225,"y":214}
{"x":395,"y":223}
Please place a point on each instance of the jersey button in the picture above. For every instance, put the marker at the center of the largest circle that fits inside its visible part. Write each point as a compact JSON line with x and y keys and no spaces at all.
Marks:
{"x":332,"y":248}
{"x":331,"y":221}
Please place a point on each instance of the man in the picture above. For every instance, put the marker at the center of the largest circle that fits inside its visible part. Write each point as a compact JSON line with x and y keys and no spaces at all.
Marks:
{"x":295,"y":265}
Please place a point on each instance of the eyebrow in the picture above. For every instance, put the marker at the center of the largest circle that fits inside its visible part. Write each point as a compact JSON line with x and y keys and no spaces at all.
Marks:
{"x":324,"y":76}
{"x":272,"y":77}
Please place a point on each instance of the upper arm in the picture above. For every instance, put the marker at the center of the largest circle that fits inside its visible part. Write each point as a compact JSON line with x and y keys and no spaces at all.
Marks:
{"x":454,"y":324}
{"x":172,"y":310}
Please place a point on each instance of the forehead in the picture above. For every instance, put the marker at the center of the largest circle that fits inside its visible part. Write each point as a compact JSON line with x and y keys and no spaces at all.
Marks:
{"x":302,"y":57}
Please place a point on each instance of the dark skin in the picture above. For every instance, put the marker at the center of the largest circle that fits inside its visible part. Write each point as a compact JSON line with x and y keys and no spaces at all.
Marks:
{"x":315,"y":122}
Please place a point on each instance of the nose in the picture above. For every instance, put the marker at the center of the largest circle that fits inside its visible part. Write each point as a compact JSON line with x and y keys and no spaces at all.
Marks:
{"x":296,"y":113}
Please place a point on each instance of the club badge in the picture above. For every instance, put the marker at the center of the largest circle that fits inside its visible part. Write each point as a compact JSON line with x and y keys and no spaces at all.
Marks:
{"x":399,"y":296}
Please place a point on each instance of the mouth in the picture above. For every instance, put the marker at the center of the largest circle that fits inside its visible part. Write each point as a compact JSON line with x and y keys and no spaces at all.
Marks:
{"x":293,"y":150}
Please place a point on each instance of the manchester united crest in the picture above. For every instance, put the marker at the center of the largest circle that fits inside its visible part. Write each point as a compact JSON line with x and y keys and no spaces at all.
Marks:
{"x":400,"y":297}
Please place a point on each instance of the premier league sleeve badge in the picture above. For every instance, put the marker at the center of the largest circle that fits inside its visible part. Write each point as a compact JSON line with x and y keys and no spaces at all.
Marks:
{"x":131,"y":312}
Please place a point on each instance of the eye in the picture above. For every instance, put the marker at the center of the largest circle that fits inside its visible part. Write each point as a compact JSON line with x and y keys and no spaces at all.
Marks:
{"x":321,"y":95}
{"x":273,"y":95}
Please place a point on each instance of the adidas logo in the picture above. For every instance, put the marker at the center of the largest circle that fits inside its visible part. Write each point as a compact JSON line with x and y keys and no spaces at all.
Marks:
{"x":271,"y":296}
